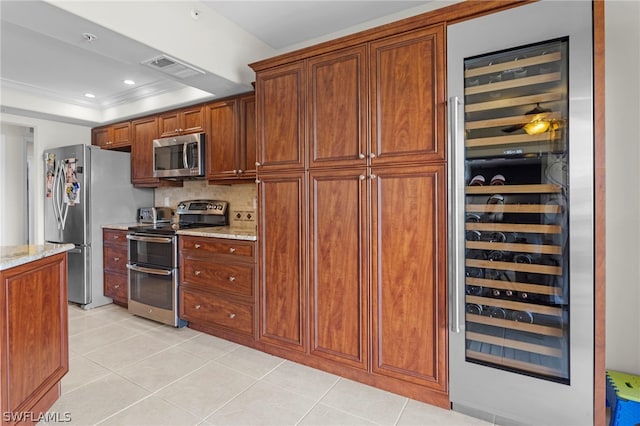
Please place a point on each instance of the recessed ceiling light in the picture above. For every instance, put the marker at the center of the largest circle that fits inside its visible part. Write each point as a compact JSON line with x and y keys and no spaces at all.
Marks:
{"x":129,"y":82}
{"x":89,"y":95}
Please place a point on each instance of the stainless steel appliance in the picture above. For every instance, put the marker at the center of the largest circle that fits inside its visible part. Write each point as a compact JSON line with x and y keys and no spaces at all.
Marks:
{"x":153,"y":259}
{"x":155,"y":214}
{"x":179,"y":156}
{"x":521,"y":210}
{"x":87,"y":187}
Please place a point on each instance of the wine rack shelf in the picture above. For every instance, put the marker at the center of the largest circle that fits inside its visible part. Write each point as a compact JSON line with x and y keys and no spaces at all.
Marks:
{"x":544,"y":188}
{"x":515,"y":286}
{"x":519,"y":326}
{"x":514,"y":247}
{"x":516,"y":63}
{"x":515,"y":227}
{"x":514,"y":208}
{"x":532,"y":366}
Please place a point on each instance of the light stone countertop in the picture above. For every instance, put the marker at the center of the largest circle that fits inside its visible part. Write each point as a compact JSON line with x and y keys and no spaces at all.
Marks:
{"x":12,"y":256}
{"x":228,"y":232}
{"x":123,"y":226}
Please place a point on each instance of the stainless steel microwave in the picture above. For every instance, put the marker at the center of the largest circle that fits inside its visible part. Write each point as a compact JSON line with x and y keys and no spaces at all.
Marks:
{"x":179,"y":156}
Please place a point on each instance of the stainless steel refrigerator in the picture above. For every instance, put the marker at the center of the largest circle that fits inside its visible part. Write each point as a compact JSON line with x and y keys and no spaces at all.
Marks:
{"x":520,"y":90}
{"x":86,"y":188}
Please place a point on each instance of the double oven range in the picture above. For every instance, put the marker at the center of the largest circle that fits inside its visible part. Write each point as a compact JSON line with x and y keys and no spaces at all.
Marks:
{"x":153,"y":259}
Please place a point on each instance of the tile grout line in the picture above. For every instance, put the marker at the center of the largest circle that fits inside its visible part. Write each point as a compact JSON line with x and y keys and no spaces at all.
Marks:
{"x":404,"y":407}
{"x":318,"y":401}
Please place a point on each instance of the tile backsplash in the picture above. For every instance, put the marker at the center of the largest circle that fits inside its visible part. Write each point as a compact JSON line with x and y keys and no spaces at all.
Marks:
{"x":241,"y":197}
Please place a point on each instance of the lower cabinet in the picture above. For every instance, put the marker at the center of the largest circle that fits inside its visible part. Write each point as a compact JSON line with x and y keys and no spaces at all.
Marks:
{"x":217,"y":286}
{"x":114,"y":254}
{"x":358,"y":287}
{"x":33,"y":338}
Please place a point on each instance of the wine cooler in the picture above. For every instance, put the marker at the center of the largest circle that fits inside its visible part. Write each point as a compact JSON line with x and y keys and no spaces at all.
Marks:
{"x":521,"y":247}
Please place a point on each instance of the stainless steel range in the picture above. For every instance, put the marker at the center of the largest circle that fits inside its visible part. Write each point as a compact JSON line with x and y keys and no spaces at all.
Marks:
{"x":153,"y":259}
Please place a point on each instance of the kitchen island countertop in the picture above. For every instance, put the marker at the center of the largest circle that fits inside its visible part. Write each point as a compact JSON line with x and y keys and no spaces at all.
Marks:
{"x":11,"y":256}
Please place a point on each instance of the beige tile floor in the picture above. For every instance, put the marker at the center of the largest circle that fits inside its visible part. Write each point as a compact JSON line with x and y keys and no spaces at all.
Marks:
{"x":126,"y":370}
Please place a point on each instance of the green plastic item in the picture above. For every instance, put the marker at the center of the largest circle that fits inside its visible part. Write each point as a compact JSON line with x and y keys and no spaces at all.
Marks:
{"x":627,"y":385}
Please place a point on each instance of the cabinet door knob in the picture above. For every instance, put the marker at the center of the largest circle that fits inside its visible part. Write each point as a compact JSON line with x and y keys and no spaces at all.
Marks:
{"x":196,"y":245}
{"x":232,"y":316}
{"x":197,"y":306}
{"x":361,"y":156}
{"x":257,"y":180}
{"x":361,"y":177}
{"x":372,"y":176}
{"x":258,"y":164}
{"x":232,"y":279}
{"x":116,"y":286}
{"x":240,"y":172}
{"x":235,"y":172}
{"x":116,"y":237}
{"x":116,"y":259}
{"x":197,"y":273}
{"x":232,"y":250}
{"x":372,"y":155}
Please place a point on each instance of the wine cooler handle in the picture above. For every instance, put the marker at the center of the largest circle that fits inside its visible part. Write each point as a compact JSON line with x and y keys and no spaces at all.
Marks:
{"x":455,"y":163}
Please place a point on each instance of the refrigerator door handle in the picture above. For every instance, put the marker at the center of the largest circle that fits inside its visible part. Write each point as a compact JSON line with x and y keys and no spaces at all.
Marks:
{"x":454,"y":206}
{"x":55,"y":196}
{"x":63,"y":208}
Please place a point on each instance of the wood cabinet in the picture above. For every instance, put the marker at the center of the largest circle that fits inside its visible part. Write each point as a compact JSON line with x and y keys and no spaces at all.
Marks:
{"x":408,"y":97}
{"x":116,"y":136}
{"x":218,"y":287}
{"x":282,"y":266}
{"x":144,"y":131}
{"x":280,"y":117}
{"x":34,"y":342}
{"x":114,"y":253}
{"x":182,"y":121}
{"x":338,"y":265}
{"x":352,"y":212}
{"x":231,"y":144}
{"x":409,"y":274}
{"x":337,"y":109}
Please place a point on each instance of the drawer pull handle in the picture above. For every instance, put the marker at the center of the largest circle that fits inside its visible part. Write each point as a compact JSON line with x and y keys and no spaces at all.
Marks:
{"x":116,"y":237}
{"x":196,"y":273}
{"x":116,"y":259}
{"x":232,"y":316}
{"x":196,"y":245}
{"x":197,"y":306}
{"x":232,"y":250}
{"x":116,"y":286}
{"x":232,"y":279}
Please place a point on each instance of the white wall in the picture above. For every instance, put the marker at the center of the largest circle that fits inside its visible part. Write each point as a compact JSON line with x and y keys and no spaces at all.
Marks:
{"x":46,"y":135}
{"x":622,"y":89}
{"x":14,"y":224}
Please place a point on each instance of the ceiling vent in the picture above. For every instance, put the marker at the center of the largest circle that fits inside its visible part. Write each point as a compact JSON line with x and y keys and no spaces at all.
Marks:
{"x":171,"y":66}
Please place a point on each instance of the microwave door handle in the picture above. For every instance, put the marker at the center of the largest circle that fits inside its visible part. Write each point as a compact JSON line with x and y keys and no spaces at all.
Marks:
{"x":185,"y":156}
{"x":152,"y":271}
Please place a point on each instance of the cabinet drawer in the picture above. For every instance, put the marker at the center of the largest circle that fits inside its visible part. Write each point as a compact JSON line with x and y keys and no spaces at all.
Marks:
{"x":116,"y":286}
{"x":206,"y":308}
{"x":115,"y":259}
{"x":198,"y":246}
{"x":114,"y":236}
{"x":233,"y":279}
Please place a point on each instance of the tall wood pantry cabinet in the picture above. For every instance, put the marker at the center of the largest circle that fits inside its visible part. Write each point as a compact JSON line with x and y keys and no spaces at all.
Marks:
{"x":352,"y":204}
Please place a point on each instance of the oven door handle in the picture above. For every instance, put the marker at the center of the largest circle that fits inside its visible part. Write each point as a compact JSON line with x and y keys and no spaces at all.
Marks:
{"x":142,"y":269}
{"x":164,"y":240}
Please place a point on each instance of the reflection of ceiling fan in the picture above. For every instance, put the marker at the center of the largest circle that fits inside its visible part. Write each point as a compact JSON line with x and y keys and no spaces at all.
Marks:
{"x":539,"y":122}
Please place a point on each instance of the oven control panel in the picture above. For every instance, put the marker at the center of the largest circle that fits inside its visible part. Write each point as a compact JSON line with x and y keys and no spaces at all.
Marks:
{"x":213,"y":207}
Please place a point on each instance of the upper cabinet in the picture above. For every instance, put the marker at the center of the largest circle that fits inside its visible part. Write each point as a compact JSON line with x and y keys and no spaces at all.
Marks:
{"x":280,"y":119}
{"x":337,"y":108}
{"x":407,"y":97}
{"x":144,"y":131}
{"x":115,"y":136}
{"x":182,"y":121}
{"x":231,"y":143}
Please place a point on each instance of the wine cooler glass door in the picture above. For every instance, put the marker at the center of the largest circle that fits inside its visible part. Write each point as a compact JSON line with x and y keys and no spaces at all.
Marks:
{"x":521,"y":267}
